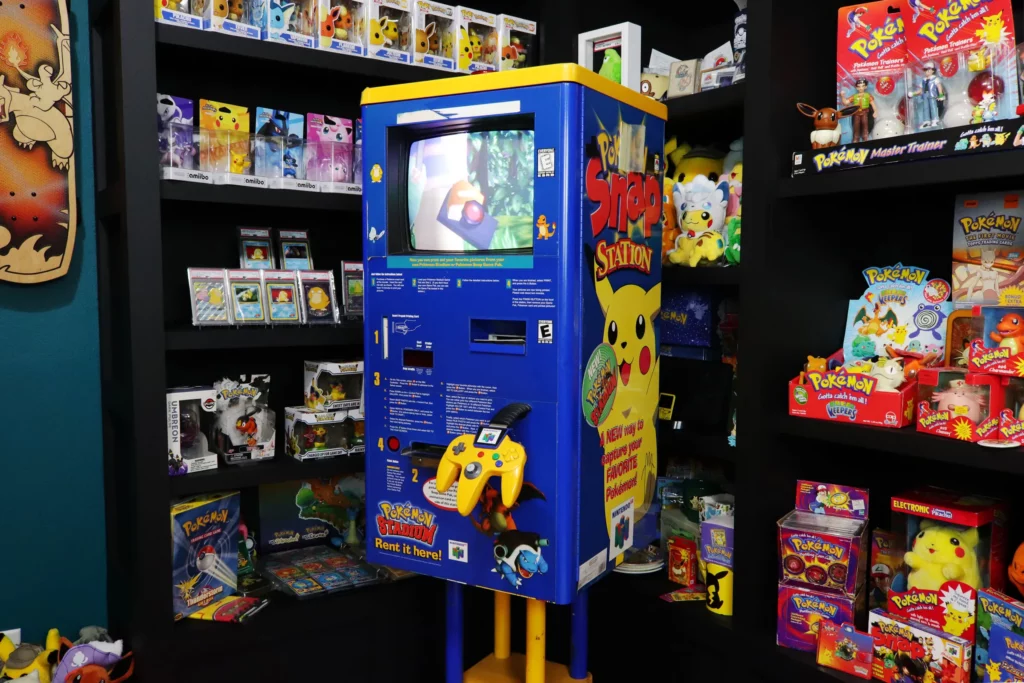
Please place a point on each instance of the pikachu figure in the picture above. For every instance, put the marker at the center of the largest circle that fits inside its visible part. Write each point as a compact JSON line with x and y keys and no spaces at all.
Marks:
{"x":240,"y":162}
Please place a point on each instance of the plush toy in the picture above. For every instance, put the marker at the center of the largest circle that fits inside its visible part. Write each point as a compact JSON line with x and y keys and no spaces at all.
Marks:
{"x":72,"y":656}
{"x":611,"y":67}
{"x":699,"y":161}
{"x":943,"y":553}
{"x":889,"y":374}
{"x":27,"y":661}
{"x":119,"y":670}
{"x":670,"y":221}
{"x":733,"y":157}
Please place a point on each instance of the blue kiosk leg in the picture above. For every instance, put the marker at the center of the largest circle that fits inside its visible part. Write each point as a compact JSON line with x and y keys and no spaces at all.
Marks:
{"x":453,"y":639}
{"x":578,"y":625}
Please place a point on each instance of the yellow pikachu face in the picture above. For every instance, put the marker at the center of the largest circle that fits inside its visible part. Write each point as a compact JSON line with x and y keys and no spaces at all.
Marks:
{"x":376,"y":35}
{"x":465,"y":51}
{"x":630,"y":312}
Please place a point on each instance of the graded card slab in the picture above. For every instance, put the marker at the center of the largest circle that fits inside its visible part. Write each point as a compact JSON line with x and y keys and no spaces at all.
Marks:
{"x":255,"y":249}
{"x":352,"y":286}
{"x":207,"y":291}
{"x":282,"y":297}
{"x":246,"y":290}
{"x":295,"y":251}
{"x":319,"y":301}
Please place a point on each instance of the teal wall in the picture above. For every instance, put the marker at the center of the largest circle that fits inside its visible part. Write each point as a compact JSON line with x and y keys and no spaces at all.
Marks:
{"x":53,"y":571}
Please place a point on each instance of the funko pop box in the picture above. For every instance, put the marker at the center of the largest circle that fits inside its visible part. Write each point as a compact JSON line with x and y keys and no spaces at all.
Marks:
{"x":956,"y":546}
{"x":204,"y":550}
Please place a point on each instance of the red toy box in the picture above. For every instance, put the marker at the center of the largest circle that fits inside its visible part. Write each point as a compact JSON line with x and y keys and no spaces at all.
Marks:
{"x":960,"y":405}
{"x":907,"y":652}
{"x":845,"y":649}
{"x":955,"y":546}
{"x":850,"y":397}
{"x":997,"y":346}
{"x":682,"y":561}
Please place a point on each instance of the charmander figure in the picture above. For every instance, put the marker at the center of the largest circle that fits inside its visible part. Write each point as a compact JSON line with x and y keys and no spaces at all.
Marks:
{"x":1009,"y":333}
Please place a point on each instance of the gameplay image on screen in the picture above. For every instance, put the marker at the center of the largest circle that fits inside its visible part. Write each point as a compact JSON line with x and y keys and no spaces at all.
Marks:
{"x":472,"y":192}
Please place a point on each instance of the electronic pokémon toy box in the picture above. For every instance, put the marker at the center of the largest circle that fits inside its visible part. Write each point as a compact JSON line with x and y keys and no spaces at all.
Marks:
{"x":512,"y":326}
{"x":956,"y":545}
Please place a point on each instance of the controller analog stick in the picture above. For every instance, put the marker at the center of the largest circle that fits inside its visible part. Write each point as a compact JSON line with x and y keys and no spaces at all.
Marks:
{"x":473,"y":470}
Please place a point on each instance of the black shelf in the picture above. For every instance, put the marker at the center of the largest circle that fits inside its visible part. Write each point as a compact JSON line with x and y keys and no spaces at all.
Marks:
{"x":676,"y":442}
{"x":793,"y":665}
{"x":907,"y":441}
{"x":188,"y":338}
{"x":727,"y":99}
{"x":281,"y":468}
{"x":952,"y":171}
{"x":181,"y":191}
{"x":244,"y":48}
{"x":679,"y":276}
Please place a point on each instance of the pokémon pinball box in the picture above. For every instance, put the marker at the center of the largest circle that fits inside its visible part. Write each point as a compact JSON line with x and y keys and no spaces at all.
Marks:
{"x":511,"y":326}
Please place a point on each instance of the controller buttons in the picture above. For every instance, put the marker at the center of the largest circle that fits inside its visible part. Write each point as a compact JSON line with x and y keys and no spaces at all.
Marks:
{"x":473,"y":470}
{"x":480,"y":454}
{"x":458,"y":448}
{"x":498,"y":464}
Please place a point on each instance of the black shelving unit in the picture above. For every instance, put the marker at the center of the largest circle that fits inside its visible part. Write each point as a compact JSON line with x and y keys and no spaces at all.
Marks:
{"x":276,"y":470}
{"x":176,"y":191}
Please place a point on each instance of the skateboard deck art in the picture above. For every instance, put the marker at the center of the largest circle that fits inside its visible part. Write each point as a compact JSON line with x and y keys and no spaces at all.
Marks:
{"x":38,"y":217}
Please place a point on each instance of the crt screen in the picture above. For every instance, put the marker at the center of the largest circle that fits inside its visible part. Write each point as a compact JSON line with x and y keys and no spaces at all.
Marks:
{"x":472,"y":192}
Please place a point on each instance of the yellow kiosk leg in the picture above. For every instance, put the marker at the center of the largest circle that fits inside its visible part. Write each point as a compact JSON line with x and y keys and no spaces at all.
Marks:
{"x":535,"y":640}
{"x":502,"y":625}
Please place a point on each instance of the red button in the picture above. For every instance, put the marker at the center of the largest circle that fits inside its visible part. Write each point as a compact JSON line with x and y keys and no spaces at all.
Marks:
{"x":480,"y":454}
{"x":393,"y":443}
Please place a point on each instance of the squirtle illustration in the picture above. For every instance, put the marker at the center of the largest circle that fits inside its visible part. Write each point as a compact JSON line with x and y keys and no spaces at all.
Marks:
{"x":928,"y":319}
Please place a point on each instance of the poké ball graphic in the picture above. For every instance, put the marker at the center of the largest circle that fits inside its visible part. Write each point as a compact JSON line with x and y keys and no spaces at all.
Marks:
{"x":948,"y":66}
{"x":206,"y":558}
{"x":982,"y":83}
{"x":958,"y":114}
{"x":887,"y":128}
{"x":885,"y":85}
{"x":600,"y":382}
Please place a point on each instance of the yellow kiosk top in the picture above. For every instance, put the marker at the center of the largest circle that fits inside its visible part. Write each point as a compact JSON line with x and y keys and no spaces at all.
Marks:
{"x":517,"y":78}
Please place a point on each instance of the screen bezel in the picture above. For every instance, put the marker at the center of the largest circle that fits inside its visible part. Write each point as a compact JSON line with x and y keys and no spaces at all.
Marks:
{"x":400,"y":140}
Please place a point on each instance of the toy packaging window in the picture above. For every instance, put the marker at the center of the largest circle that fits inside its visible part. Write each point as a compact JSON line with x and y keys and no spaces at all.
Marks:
{"x":188,"y":449}
{"x":295,"y":250}
{"x":204,"y":551}
{"x":342,"y":26}
{"x":185,"y":13}
{"x":280,"y":146}
{"x":175,"y":120}
{"x":956,"y":545}
{"x":333,"y":385}
{"x":229,"y":145}
{"x":517,"y":41}
{"x":244,"y":430}
{"x":208,"y":295}
{"x":316,"y":435}
{"x":467,"y":192}
{"x":282,"y":297}
{"x":245,"y":287}
{"x":293,"y":22}
{"x":960,"y":405}
{"x":871,"y":57}
{"x":988,"y":248}
{"x":435,"y":29}
{"x":318,"y":296}
{"x":389,"y":30}
{"x":352,"y":287}
{"x":245,"y":18}
{"x":961,"y":63}
{"x":329,"y":140}
{"x":255,"y":249}
{"x":997,"y":343}
{"x":476,"y":43}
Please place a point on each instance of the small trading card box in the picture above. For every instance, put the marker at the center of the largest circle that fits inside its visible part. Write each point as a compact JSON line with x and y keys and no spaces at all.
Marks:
{"x":947,"y":534}
{"x":845,"y":649}
{"x":188,"y":449}
{"x":801,"y":611}
{"x":999,"y":650}
{"x":904,"y":651}
{"x":988,"y":246}
{"x":823,"y":542}
{"x":317,"y":435}
{"x":334,"y":386}
{"x":204,"y":550}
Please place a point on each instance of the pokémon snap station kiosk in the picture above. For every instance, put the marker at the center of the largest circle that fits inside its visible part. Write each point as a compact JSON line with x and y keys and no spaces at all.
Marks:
{"x":512,"y":241}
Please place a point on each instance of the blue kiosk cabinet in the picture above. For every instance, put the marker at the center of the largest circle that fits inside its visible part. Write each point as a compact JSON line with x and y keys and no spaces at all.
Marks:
{"x":512,"y":241}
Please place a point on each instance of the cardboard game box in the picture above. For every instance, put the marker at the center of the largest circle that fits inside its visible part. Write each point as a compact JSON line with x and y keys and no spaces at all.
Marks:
{"x":204,"y":551}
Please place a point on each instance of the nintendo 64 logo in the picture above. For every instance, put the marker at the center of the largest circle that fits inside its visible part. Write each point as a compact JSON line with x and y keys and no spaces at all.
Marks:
{"x":458,"y":551}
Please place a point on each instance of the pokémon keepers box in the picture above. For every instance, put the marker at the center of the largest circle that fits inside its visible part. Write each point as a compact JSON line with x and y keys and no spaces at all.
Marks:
{"x":512,"y":326}
{"x":956,"y":545}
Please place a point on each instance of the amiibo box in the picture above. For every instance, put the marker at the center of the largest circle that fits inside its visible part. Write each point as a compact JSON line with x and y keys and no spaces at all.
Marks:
{"x":178,"y":13}
{"x":280,"y":148}
{"x":845,"y":649}
{"x":823,"y":542}
{"x":886,"y":558}
{"x":1000,"y":638}
{"x":960,"y":405}
{"x":997,"y":344}
{"x":961,"y":63}
{"x":342,"y":26}
{"x":188,"y":449}
{"x":801,"y":612}
{"x":316,"y":435}
{"x":388,"y":30}
{"x":330,"y":140}
{"x":904,"y":651}
{"x":244,"y":430}
{"x":862,"y":392}
{"x":988,"y":247}
{"x":245,"y":18}
{"x":293,"y":22}
{"x":870,"y":67}
{"x":334,"y":386}
{"x":956,"y":546}
{"x":175,"y":118}
{"x":476,"y":42}
{"x":228,"y":156}
{"x":204,"y":550}
{"x":517,"y":40}
{"x":434,"y":43}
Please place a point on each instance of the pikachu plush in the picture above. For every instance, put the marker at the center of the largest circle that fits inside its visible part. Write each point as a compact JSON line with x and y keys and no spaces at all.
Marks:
{"x":943,"y":553}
